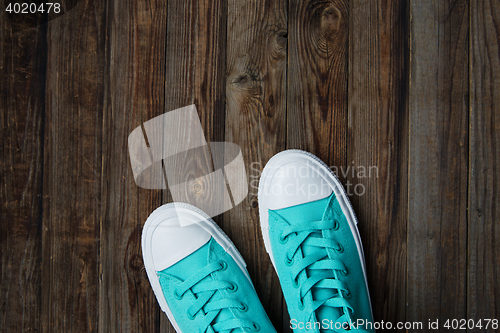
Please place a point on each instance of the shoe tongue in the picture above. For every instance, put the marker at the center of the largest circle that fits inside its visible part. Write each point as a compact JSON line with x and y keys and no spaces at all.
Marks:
{"x":191,"y":265}
{"x":310,"y":212}
{"x":307,"y":212}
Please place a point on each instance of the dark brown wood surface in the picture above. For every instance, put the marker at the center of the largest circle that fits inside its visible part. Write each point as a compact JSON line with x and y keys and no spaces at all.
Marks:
{"x":483,"y":248}
{"x":256,"y":121}
{"x":317,"y":83}
{"x":22,"y":87}
{"x":438,"y":158}
{"x":72,"y":170}
{"x":195,"y":49}
{"x":401,"y":98}
{"x":377,"y":147}
{"x":134,"y":75}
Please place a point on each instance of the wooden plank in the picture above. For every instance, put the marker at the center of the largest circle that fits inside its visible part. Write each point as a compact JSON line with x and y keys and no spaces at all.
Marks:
{"x":437,"y":209}
{"x":210,"y":73}
{"x":317,"y":82}
{"x":135,"y":74}
{"x":72,"y":170}
{"x":256,"y":121}
{"x":195,"y":72}
{"x":483,"y":290}
{"x":23,"y":55}
{"x":317,"y":78}
{"x":180,"y":55}
{"x":377,"y":147}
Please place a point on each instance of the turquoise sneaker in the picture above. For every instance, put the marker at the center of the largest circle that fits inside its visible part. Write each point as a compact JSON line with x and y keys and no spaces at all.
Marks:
{"x":309,"y":230}
{"x":197,"y":275}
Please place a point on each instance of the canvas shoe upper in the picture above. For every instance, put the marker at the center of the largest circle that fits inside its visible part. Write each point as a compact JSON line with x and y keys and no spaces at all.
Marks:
{"x":197,"y":275}
{"x":310,"y":233}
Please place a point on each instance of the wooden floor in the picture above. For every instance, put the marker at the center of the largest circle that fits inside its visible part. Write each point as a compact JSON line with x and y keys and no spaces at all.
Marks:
{"x":408,"y":88}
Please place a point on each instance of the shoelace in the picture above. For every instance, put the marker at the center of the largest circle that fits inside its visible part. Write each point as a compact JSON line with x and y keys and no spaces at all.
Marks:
{"x":317,"y":234}
{"x":204,"y":292}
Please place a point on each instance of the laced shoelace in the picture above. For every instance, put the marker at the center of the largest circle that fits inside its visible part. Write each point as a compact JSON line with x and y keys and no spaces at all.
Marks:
{"x":203,"y":292}
{"x":328,"y":271}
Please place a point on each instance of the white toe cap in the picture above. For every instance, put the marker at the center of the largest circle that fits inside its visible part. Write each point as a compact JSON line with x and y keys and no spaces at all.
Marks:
{"x":296,"y":183}
{"x":175,"y":237}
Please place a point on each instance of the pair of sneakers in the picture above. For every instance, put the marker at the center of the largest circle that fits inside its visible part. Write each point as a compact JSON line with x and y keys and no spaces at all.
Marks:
{"x":309,"y":230}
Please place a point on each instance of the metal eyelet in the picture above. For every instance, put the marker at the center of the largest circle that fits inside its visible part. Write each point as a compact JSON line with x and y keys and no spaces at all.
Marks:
{"x":336,"y":225}
{"x":282,"y":240}
{"x":243,"y":307}
{"x":340,"y":248}
{"x":233,"y":287}
{"x":288,"y":261}
{"x":301,"y":305}
{"x":343,"y":272}
{"x":223,"y":265}
{"x":255,"y":327}
{"x":177,"y":296}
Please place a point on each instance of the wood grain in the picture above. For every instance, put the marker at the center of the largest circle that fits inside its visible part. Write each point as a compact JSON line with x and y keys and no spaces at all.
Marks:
{"x":377,"y":147}
{"x":135,"y":75}
{"x":407,"y":87}
{"x":256,"y":121}
{"x":22,"y":103}
{"x":195,"y":69}
{"x":317,"y":78}
{"x":209,"y":91}
{"x":72,"y":170}
{"x":317,"y":82}
{"x":483,"y":244}
{"x":195,"y":61}
{"x":437,"y":209}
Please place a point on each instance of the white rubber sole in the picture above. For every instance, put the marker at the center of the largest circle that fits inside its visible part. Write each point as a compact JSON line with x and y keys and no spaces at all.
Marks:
{"x":292,"y":156}
{"x":168,"y":211}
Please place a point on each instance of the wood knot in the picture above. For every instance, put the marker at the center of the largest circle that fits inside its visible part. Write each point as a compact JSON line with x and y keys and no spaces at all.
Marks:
{"x":248,"y":80}
{"x":281,"y":39}
{"x":330,"y":20}
{"x":327,"y":28}
{"x":197,"y":187}
{"x":136,"y":263}
{"x":243,"y":80}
